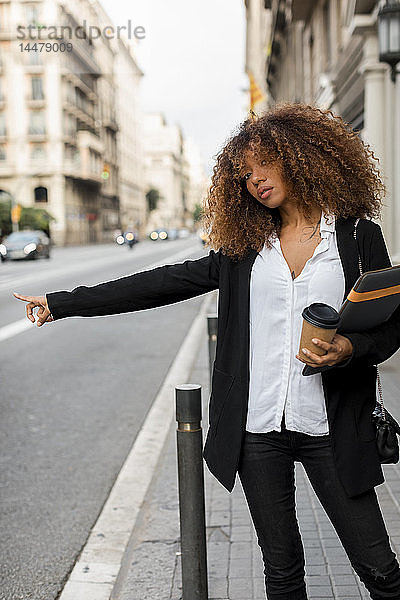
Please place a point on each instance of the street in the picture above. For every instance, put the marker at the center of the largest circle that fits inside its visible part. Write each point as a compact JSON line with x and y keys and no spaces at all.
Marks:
{"x":74,"y":395}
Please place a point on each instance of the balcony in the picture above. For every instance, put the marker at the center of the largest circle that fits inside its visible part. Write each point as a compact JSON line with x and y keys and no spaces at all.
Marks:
{"x":83,"y":169}
{"x":111,"y":123}
{"x":364,"y":6}
{"x":82,"y":82}
{"x":86,"y":139}
{"x":35,"y":102}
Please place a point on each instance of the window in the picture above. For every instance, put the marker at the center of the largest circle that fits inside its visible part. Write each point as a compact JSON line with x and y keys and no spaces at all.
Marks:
{"x":37,"y":88}
{"x":72,"y":154}
{"x":32,"y":14}
{"x":4,"y":17}
{"x":69,"y":125}
{"x":37,"y":124}
{"x":40,"y":194}
{"x":1,"y":90}
{"x":38,"y":152}
{"x":3,"y":152}
{"x":2,"y":124}
{"x":95,"y":162}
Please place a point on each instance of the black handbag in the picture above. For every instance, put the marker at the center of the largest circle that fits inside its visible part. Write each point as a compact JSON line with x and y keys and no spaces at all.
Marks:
{"x":386,"y":427}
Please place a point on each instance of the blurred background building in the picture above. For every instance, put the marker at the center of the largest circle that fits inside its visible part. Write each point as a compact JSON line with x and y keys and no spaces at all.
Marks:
{"x":326,"y":52}
{"x":132,"y":186}
{"x":74,"y":138}
{"x":174,"y":174}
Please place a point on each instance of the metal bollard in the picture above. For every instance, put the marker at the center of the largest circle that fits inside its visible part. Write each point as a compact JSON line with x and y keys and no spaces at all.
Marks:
{"x":191,"y":492}
{"x":212,"y":324}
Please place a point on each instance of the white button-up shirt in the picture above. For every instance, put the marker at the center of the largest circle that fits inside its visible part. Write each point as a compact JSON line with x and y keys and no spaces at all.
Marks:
{"x":276,"y":304}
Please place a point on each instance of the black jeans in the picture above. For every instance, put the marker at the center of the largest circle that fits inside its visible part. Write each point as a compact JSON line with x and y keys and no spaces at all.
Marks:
{"x":266,"y":471}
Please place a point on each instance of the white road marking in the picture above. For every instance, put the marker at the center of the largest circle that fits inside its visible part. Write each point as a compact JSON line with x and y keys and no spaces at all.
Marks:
{"x":95,"y":573}
{"x":14,"y":328}
{"x":8,"y":331}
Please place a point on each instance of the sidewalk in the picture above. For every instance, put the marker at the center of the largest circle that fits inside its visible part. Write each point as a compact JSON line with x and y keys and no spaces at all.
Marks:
{"x":151,"y":566}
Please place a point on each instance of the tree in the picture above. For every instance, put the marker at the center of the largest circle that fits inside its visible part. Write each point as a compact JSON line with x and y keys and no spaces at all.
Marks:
{"x":31,"y":218}
{"x":5,"y":218}
{"x":35,"y":218}
{"x":197,"y":212}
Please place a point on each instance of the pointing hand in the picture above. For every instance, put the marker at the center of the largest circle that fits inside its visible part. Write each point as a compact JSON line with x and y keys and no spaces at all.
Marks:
{"x":43,"y":313}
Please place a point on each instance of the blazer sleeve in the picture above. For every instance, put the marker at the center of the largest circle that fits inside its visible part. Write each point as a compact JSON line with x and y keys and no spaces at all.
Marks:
{"x":379,"y":343}
{"x":146,"y":289}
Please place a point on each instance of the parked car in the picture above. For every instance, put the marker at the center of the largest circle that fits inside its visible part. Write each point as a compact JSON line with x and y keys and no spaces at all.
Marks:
{"x":25,"y":244}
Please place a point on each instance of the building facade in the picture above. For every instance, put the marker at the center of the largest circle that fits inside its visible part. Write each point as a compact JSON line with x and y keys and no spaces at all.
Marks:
{"x":258,"y":28}
{"x":167,"y":174}
{"x":199,"y":182}
{"x":59,"y":116}
{"x":325,"y":52}
{"x":132,"y":183}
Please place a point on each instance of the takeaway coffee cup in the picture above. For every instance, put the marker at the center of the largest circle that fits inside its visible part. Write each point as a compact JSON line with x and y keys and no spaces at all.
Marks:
{"x":319,"y":321}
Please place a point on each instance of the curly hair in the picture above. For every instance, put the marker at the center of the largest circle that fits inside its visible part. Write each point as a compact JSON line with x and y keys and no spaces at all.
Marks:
{"x":321,"y":159}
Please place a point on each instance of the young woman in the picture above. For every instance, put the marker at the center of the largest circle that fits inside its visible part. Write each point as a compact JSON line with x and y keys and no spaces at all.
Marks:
{"x":286,"y":191}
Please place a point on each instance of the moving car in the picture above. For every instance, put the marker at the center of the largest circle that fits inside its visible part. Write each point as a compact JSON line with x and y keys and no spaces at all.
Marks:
{"x":159,"y":234}
{"x":167,"y":234}
{"x":25,"y":244}
{"x":130,"y":238}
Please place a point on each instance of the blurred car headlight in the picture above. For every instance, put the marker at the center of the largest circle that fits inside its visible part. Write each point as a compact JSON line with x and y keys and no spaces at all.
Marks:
{"x":203,"y":236}
{"x":163,"y":235}
{"x":30,"y":248}
{"x":3,"y":250}
{"x":120,"y":239}
{"x":154,"y":235}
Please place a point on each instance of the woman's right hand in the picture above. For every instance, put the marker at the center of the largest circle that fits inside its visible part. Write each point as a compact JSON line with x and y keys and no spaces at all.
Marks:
{"x":43,"y":313}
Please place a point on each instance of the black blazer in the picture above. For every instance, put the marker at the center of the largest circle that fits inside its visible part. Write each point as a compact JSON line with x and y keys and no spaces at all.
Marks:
{"x":349,"y":387}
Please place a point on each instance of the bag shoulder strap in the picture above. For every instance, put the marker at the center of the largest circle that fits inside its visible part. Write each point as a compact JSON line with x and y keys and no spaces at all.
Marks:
{"x":379,"y":403}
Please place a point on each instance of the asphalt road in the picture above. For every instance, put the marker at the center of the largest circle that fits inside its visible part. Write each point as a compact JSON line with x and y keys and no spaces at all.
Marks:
{"x":73,"y":396}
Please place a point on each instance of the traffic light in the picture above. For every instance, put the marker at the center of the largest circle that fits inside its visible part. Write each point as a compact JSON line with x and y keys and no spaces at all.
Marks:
{"x":106,"y":172}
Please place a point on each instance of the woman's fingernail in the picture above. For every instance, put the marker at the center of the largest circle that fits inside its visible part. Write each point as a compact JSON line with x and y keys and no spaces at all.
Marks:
{"x":305,"y":351}
{"x":315,"y":340}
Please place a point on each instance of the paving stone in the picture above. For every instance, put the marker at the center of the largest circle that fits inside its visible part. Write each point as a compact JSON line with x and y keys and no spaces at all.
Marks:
{"x":218,"y":587}
{"x":320,"y":591}
{"x":346,"y":590}
{"x":240,"y":588}
{"x":240,"y":567}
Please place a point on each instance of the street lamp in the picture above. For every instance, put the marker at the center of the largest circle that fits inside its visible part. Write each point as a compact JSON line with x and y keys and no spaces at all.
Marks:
{"x":389,"y":35}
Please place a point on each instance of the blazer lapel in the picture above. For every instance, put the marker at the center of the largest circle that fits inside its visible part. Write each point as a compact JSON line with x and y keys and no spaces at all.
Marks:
{"x":243,"y":273}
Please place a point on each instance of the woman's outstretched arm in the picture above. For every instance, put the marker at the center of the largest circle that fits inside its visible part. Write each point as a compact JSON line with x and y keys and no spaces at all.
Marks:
{"x":147,"y":289}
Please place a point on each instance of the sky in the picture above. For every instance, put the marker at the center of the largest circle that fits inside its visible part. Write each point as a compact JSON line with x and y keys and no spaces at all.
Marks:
{"x":193,"y":56}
